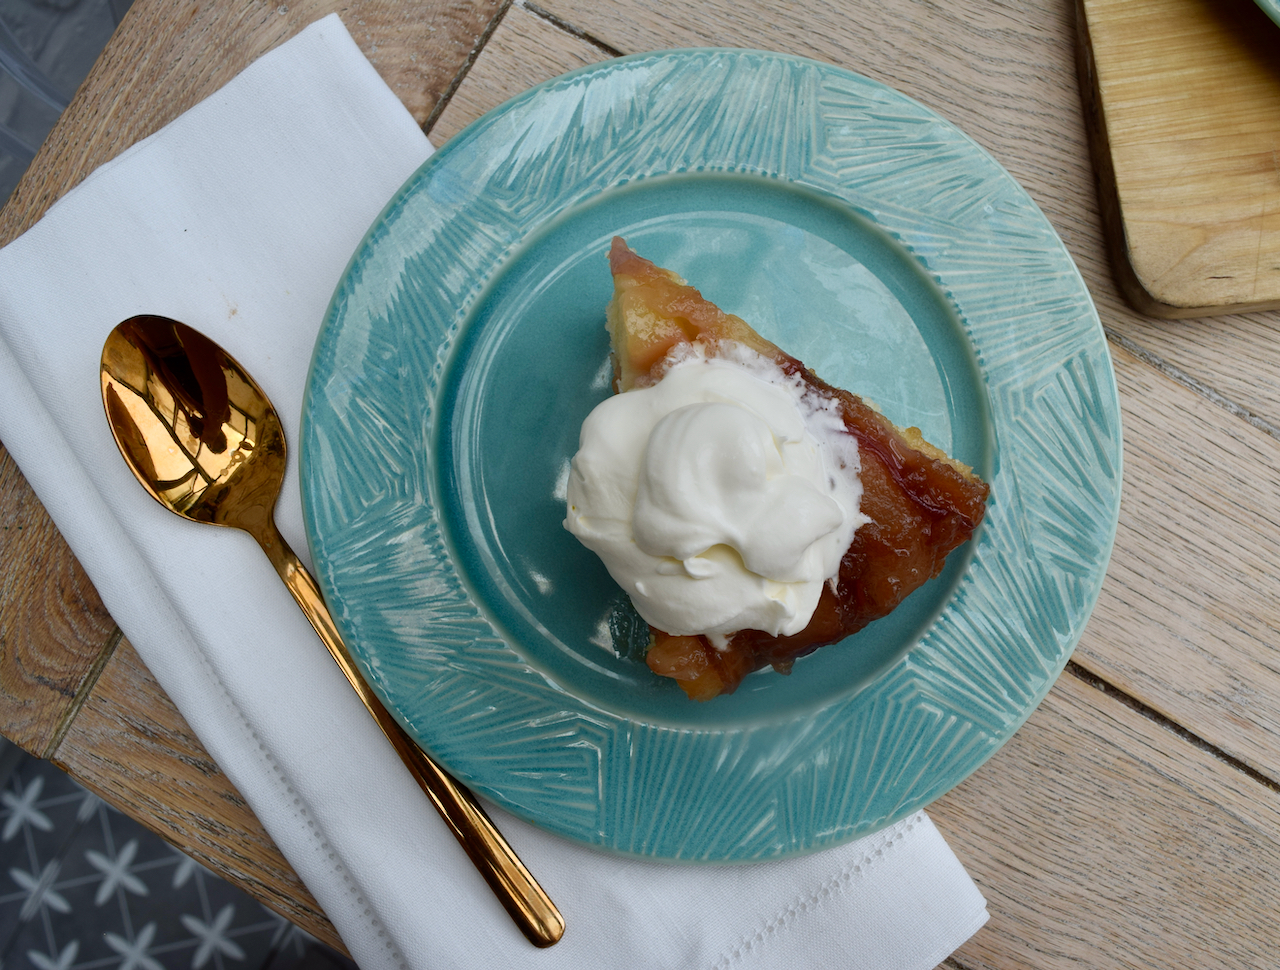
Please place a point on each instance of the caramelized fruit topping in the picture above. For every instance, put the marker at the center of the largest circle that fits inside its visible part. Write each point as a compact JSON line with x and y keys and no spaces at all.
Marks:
{"x":922,"y":504}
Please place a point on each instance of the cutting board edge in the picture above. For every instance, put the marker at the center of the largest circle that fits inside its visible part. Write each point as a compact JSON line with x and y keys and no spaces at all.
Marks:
{"x":1147,"y":299}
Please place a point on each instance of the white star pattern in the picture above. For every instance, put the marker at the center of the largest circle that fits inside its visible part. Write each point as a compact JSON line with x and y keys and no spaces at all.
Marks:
{"x":62,"y":961}
{"x":89,"y":889}
{"x":136,"y":954}
{"x":185,"y":868}
{"x":287,"y":936}
{"x":23,"y":807}
{"x":88,"y":805}
{"x":116,"y":872}
{"x":213,"y":937}
{"x":40,"y":891}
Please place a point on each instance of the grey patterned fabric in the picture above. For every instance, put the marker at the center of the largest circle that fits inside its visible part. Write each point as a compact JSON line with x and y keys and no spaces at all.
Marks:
{"x":83,"y":886}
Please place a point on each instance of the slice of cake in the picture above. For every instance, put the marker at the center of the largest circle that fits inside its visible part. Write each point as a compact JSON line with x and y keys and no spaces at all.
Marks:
{"x":752,"y":511}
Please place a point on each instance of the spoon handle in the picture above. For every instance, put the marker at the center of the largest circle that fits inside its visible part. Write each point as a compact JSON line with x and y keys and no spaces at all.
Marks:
{"x":517,"y":890}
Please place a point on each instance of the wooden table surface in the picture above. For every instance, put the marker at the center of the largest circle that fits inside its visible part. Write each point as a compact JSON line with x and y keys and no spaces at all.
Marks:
{"x":1134,"y":820}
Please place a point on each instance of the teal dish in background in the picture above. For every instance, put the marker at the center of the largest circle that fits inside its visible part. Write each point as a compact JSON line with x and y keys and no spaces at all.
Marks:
{"x":464,"y":346}
{"x":1272,"y":9}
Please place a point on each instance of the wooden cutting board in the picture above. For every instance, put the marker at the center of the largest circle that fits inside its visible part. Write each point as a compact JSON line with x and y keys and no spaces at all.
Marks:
{"x":1183,"y":103}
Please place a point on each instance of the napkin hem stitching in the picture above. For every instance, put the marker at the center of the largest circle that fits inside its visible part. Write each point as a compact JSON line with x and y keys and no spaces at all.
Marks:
{"x":788,"y":917}
{"x":312,"y":825}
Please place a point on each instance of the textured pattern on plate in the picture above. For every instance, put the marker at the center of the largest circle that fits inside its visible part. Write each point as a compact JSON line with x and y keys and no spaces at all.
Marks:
{"x":752,"y":787}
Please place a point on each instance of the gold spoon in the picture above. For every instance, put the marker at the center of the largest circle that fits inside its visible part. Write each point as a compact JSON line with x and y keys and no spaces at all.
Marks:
{"x":203,"y":439}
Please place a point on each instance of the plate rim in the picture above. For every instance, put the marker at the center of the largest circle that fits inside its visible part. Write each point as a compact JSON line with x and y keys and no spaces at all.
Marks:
{"x":420,"y":179}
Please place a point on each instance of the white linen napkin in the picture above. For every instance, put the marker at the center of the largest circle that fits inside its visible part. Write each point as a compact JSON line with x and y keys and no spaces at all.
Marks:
{"x":238,"y":218}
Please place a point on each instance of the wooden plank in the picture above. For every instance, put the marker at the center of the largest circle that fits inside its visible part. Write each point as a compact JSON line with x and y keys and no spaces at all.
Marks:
{"x":130,"y":746}
{"x":53,"y":626}
{"x":525,"y":50}
{"x":1102,"y":840}
{"x":1185,"y":99}
{"x":1234,"y":360}
{"x":1188,"y":620}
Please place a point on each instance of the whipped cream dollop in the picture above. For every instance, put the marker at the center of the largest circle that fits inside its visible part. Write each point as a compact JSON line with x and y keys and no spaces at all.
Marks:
{"x":720,"y":498}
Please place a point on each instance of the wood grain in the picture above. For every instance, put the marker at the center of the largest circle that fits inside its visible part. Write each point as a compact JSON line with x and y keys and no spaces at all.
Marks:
{"x":53,"y":627}
{"x":525,"y":50}
{"x":1188,"y":620}
{"x":1102,"y":840}
{"x":130,"y":746}
{"x":1185,"y":114}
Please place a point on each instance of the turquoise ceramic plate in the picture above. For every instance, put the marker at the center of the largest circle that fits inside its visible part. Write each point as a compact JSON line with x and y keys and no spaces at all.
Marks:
{"x":466,"y":343}
{"x":1272,"y":8}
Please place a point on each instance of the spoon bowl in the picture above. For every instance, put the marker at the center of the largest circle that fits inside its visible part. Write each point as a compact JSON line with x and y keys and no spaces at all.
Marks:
{"x":198,"y":432}
{"x":203,"y":439}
